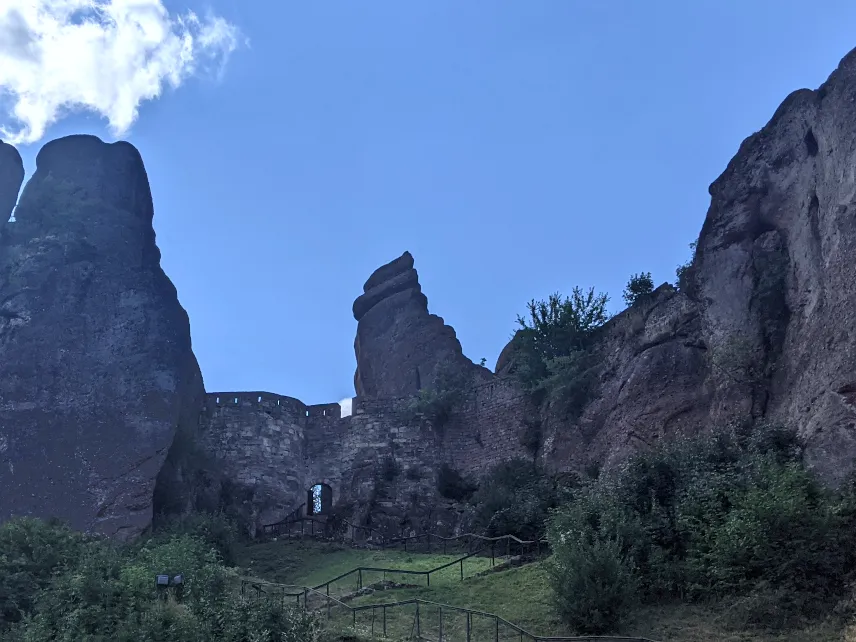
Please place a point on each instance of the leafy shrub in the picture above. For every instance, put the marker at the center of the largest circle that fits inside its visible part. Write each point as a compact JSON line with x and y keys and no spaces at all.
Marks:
{"x":437,"y":401}
{"x":514,"y":498}
{"x":531,"y":436}
{"x":639,"y":285}
{"x":682,"y":273}
{"x":32,"y":552}
{"x":593,"y":586}
{"x":732,"y":514}
{"x":452,"y":485}
{"x":101,"y":591}
{"x":553,"y":353}
{"x":218,"y":530}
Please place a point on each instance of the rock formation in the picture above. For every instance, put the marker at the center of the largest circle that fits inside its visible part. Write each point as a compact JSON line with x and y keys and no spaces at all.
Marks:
{"x":11,"y":179}
{"x":774,"y":271}
{"x":400,"y":347}
{"x":762,"y":330}
{"x":653,"y":384}
{"x":96,"y":368}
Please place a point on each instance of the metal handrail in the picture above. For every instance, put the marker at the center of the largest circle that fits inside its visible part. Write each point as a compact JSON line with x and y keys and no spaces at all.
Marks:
{"x":524,"y":634}
{"x":385,"y":541}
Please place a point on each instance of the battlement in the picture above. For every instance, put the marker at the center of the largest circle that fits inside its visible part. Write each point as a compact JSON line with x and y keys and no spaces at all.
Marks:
{"x":253,"y":399}
{"x":270,"y":401}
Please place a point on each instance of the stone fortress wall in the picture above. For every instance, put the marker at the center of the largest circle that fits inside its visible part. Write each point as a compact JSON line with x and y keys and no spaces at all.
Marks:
{"x":281,"y":447}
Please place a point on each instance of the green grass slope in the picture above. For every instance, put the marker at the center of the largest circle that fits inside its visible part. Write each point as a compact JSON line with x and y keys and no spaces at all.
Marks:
{"x":520,"y":595}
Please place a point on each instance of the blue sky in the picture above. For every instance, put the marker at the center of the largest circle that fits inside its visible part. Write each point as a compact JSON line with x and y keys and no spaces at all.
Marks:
{"x":515,"y":148}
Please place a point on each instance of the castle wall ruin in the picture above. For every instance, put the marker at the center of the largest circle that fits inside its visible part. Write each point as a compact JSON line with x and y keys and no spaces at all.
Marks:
{"x":380,"y":459}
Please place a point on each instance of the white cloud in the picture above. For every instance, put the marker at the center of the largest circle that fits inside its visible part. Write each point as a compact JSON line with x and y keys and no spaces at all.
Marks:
{"x":106,"y":56}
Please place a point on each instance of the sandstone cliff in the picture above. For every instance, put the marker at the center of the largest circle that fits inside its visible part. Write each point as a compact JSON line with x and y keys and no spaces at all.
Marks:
{"x":96,"y":367}
{"x":400,"y":347}
{"x":762,"y":330}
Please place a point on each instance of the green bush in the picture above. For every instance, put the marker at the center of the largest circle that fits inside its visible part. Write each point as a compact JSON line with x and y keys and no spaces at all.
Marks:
{"x":735,"y":514}
{"x":594,"y":587}
{"x":683,"y":275}
{"x":452,"y":485}
{"x":553,"y":357}
{"x":99,"y":591}
{"x":218,"y":530}
{"x":639,"y":286}
{"x":32,"y":552}
{"x":437,"y":401}
{"x":514,"y":498}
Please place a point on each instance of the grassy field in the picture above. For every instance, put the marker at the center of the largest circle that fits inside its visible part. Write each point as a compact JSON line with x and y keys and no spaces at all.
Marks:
{"x":308,"y":563}
{"x":520,"y":595}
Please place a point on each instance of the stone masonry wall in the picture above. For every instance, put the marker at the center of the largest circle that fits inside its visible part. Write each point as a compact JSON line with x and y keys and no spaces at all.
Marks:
{"x":380,"y":462}
{"x":257,"y":438}
{"x":488,"y":427}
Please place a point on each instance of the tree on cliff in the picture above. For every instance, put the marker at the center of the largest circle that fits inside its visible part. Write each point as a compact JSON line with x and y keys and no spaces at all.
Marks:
{"x":554,"y":347}
{"x":638,"y":286}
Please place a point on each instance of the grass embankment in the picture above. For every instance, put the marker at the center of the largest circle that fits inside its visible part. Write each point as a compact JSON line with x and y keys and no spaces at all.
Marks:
{"x":520,"y":595}
{"x":309,"y":563}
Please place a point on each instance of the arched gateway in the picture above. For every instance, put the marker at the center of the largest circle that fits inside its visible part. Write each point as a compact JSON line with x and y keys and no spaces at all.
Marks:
{"x":319,"y":500}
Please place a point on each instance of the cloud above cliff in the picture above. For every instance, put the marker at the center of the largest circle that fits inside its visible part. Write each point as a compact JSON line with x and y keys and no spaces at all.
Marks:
{"x":102,"y":56}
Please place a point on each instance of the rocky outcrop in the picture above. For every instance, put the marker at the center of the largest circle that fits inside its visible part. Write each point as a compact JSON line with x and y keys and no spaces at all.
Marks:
{"x":400,"y":346}
{"x":11,"y":179}
{"x":763,"y":328}
{"x":775,"y":273}
{"x":652,"y":384}
{"x":96,"y":368}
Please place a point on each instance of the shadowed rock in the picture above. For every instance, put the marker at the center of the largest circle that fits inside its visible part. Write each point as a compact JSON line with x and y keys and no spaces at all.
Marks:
{"x":11,"y":179}
{"x":400,"y":346}
{"x":763,"y":331}
{"x":776,"y":276}
{"x":96,"y":368}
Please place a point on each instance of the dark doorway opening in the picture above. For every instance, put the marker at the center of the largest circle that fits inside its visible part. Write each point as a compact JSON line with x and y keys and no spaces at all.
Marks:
{"x":320,"y":500}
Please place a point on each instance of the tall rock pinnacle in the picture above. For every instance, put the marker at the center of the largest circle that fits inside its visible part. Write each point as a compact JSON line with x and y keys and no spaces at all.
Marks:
{"x":400,"y":346}
{"x":96,"y":368}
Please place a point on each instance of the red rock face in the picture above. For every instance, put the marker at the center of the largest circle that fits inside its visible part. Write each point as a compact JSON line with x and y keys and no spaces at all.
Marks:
{"x":96,"y":367}
{"x":400,"y":346}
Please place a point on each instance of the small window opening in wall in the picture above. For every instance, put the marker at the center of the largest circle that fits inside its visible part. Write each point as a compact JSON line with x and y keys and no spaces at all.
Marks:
{"x":324,"y":413}
{"x":218,"y":400}
{"x":277,"y":402}
{"x":260,"y":398}
{"x":307,"y":413}
{"x":236,"y":400}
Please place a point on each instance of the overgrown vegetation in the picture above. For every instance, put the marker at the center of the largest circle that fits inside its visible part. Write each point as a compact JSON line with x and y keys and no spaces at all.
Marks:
{"x":514,"y":498}
{"x":732,"y":515}
{"x":682,"y":273}
{"x":639,"y":286}
{"x":452,"y":485}
{"x":437,"y":401}
{"x":532,"y":436}
{"x":554,"y":356}
{"x":62,"y":586}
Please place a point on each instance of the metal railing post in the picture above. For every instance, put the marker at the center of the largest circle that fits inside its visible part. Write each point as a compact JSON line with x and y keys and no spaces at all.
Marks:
{"x":496,"y":637}
{"x":469,"y":625}
{"x":441,"y":624}
{"x":462,"y":569}
{"x":418,"y":627}
{"x":384,"y":620}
